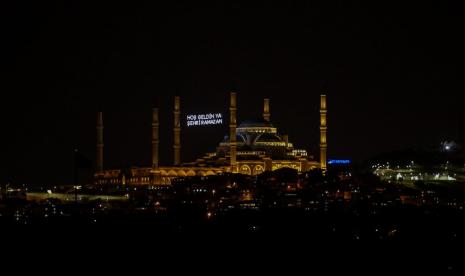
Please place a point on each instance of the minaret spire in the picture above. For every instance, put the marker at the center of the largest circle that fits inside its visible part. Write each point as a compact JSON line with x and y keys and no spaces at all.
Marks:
{"x":155,"y":138}
{"x":323,"y":133}
{"x":232,"y":132}
{"x":155,"y":146}
{"x":99,"y":157}
{"x":177,"y":131}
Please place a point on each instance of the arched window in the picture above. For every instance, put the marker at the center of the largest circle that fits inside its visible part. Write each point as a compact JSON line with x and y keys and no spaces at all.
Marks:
{"x":258,"y":169}
{"x":245,"y":169}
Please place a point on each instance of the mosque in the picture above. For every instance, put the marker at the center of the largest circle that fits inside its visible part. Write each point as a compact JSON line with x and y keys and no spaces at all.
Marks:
{"x":251,"y":148}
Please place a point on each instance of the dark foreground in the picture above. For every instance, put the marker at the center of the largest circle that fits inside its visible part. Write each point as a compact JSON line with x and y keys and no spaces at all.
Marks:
{"x":398,"y":239}
{"x":280,"y":220}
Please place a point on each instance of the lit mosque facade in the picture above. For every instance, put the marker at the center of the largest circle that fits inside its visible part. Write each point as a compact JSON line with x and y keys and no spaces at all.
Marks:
{"x":251,"y":148}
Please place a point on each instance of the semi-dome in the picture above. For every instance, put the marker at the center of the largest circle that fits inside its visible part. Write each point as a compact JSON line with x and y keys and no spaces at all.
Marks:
{"x":267,"y":137}
{"x":255,"y":123}
{"x":239,"y":138}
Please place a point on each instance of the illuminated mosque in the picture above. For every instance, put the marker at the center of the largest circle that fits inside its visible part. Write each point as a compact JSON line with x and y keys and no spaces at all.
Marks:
{"x":251,"y":148}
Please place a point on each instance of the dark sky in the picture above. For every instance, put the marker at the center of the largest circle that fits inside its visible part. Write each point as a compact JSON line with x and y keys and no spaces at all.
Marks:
{"x":393,"y":74}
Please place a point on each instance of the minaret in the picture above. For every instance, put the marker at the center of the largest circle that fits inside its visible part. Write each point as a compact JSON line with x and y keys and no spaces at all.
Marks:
{"x":323,"y":130}
{"x":155,"y":145}
{"x":177,"y":131}
{"x":155,"y":138}
{"x":232,"y":133}
{"x":266,"y":110}
{"x":99,"y":161}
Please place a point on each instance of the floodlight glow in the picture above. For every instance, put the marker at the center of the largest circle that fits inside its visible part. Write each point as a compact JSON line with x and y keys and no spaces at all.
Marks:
{"x":204,"y":119}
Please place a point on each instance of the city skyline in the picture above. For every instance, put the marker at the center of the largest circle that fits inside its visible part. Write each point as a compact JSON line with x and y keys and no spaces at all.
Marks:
{"x":392,"y":74}
{"x":296,"y":123}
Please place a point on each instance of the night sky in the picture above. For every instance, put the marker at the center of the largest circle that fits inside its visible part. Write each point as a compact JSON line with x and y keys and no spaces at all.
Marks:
{"x":394,"y":76}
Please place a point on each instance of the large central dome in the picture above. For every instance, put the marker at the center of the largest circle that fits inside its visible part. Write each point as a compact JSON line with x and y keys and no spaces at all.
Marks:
{"x":255,"y":123}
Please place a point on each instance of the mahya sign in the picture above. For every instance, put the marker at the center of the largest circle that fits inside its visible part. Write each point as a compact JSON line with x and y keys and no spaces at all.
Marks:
{"x":205,"y":119}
